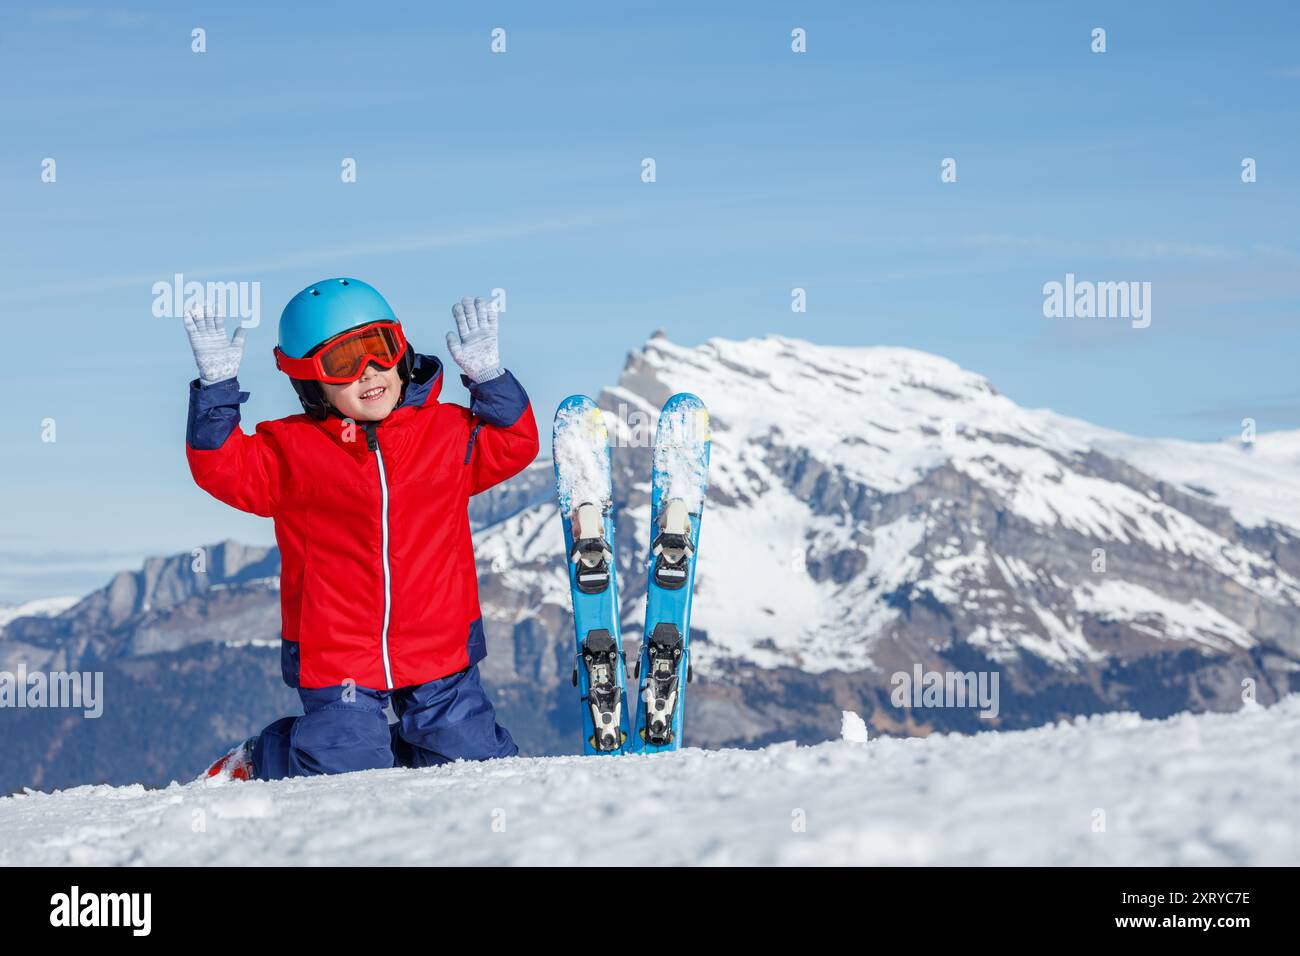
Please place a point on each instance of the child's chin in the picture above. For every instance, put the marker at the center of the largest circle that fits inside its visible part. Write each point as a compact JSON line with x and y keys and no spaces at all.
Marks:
{"x":376,"y":413}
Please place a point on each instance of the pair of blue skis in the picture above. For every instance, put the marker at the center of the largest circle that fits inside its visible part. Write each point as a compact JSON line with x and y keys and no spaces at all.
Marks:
{"x":679,"y":483}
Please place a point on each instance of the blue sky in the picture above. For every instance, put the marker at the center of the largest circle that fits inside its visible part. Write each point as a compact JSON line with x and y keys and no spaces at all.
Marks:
{"x":522,"y":171}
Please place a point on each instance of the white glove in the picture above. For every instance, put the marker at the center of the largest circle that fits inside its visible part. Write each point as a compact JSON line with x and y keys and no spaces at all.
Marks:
{"x":216,"y":358}
{"x":474,"y":345}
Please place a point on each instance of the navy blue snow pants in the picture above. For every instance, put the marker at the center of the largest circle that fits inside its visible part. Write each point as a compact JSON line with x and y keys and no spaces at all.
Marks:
{"x":344,"y":729}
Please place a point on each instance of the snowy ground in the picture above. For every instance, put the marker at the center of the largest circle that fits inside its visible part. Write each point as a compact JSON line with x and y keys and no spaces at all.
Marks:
{"x":1189,"y":790}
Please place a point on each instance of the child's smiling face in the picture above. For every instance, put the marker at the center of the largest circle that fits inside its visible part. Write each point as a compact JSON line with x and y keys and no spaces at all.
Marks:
{"x":370,"y":398}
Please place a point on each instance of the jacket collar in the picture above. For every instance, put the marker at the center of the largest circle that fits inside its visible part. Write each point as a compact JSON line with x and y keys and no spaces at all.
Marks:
{"x":426,"y":382}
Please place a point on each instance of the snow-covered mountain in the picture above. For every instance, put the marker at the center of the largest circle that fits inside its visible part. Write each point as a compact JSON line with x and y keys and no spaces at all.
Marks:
{"x":41,"y":607}
{"x":875,"y":508}
{"x":1107,"y":790}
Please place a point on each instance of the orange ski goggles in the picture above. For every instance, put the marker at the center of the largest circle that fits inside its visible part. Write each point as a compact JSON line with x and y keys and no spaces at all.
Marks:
{"x":344,"y":358}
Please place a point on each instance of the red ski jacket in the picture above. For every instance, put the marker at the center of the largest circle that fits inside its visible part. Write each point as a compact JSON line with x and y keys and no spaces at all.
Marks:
{"x":377,"y":574}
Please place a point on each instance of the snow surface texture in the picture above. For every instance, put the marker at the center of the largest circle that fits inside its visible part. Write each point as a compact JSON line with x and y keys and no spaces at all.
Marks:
{"x":1258,"y":481}
{"x":580,"y":451}
{"x":679,"y":457}
{"x":1191,"y":790}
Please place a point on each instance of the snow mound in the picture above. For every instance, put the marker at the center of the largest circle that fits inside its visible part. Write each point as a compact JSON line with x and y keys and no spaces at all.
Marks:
{"x":853,"y":728}
{"x":1114,"y":789}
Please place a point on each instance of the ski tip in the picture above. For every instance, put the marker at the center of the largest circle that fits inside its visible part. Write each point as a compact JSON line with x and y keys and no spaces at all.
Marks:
{"x":580,"y":412}
{"x":684,"y":398}
{"x":577,"y":400}
{"x":685,"y":420}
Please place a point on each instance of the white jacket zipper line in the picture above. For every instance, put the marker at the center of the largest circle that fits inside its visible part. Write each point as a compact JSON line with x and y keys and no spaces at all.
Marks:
{"x":388,"y":586}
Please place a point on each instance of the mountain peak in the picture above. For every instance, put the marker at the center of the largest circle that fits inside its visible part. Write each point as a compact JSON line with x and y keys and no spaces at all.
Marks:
{"x":866,"y":499}
{"x":888,"y":415}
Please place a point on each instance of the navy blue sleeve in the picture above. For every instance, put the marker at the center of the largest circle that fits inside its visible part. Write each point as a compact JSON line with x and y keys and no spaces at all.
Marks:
{"x":498,"y":401}
{"x":214,"y":413}
{"x":504,"y":440}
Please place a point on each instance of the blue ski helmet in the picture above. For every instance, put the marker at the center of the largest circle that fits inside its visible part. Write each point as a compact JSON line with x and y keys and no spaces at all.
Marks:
{"x":323,"y":310}
{"x":326,"y":308}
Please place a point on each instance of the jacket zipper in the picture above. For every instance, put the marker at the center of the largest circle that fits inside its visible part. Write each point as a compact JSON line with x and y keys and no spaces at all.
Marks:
{"x":469,"y":445}
{"x":372,"y":442}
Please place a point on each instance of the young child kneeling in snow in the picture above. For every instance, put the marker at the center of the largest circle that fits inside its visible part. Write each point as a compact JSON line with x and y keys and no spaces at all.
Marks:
{"x":368,"y":489}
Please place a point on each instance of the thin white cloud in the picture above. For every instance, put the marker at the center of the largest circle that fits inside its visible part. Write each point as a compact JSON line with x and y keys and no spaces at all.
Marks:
{"x":1138,"y":249}
{"x":80,"y":14}
{"x":414,"y":243}
{"x":393,"y":246}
